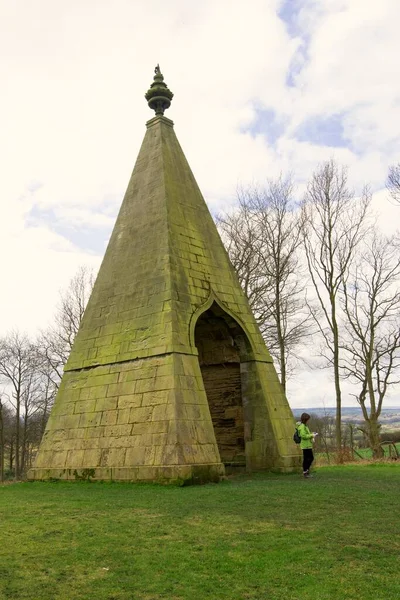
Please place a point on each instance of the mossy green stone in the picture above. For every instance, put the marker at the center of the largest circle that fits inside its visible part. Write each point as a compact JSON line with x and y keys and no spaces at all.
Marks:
{"x":132,"y":403}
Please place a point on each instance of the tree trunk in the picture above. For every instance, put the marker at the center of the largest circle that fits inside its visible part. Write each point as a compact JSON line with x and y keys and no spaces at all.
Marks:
{"x":17,"y":436}
{"x":281,"y":341}
{"x":11,"y":461}
{"x":23,"y":445}
{"x":351,"y":439}
{"x":336,"y":370}
{"x":374,"y":438}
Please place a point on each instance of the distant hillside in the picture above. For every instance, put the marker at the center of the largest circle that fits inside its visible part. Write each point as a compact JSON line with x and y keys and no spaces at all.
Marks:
{"x":390,"y":417}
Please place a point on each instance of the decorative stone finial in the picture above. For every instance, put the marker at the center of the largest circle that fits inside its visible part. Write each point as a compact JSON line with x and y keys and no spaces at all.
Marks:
{"x":159,"y":96}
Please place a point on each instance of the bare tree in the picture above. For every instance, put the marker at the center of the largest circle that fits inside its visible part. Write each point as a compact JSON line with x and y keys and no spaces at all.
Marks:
{"x":56,"y":342}
{"x":371,"y":300}
{"x":48,"y":391}
{"x":243,"y":242}
{"x":37,"y":402}
{"x":29,"y":405}
{"x":393,"y":182}
{"x":334,"y":223}
{"x":18,"y":362}
{"x":29,"y":393}
{"x":263,"y":237}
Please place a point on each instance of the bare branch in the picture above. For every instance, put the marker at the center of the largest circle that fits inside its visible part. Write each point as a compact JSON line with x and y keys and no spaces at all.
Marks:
{"x":393,"y":182}
{"x":263,"y":238}
{"x":56,"y":342}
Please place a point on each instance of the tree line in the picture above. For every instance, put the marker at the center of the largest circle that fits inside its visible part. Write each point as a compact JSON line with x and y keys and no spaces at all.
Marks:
{"x":354,"y":438}
{"x":324,"y":283}
{"x":30,"y":374}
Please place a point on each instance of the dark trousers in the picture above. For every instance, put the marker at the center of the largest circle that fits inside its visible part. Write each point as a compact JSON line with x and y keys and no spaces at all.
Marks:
{"x":308,"y":457}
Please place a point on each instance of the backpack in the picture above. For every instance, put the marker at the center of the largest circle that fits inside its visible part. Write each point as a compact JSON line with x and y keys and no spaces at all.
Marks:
{"x":296,"y":437}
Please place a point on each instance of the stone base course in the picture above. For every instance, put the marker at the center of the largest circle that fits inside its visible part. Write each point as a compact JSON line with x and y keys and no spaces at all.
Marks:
{"x":177,"y":474}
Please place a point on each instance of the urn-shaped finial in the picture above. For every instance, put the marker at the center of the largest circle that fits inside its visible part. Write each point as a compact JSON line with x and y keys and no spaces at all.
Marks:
{"x":159,"y":96}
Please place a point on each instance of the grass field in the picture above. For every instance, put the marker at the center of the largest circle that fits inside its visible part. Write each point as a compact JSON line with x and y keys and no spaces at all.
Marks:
{"x":367,"y":452}
{"x":358,"y":456}
{"x":336,"y":536}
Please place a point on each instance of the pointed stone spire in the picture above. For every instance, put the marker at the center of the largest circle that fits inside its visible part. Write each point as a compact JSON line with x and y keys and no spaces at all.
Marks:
{"x":169,"y":378}
{"x":159,"y":96}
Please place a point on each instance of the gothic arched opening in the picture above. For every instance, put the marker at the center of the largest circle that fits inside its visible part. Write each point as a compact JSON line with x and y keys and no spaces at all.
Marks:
{"x":222,"y":345}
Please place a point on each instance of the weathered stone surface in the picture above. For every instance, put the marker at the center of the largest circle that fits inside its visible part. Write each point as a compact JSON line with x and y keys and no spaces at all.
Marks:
{"x":164,"y":258}
{"x":169,"y":371}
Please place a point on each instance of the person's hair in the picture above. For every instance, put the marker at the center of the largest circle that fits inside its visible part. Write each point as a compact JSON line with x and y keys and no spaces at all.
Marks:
{"x":304,"y":418}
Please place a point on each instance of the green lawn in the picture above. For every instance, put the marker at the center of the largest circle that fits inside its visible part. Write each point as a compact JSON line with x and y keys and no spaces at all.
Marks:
{"x":336,"y":536}
{"x":367,"y":452}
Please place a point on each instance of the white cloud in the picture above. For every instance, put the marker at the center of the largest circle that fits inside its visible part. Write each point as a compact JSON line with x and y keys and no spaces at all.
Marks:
{"x":388,"y":213}
{"x":352,"y":68}
{"x":315,"y":388}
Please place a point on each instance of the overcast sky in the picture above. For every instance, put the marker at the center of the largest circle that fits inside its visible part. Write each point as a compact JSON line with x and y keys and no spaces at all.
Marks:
{"x":260,"y":87}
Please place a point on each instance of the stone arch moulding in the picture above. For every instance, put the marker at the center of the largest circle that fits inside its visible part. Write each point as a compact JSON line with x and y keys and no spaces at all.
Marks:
{"x":213,"y":298}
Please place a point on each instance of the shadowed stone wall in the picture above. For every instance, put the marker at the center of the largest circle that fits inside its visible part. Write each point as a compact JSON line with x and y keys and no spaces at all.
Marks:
{"x":220,"y":368}
{"x":223,"y":388}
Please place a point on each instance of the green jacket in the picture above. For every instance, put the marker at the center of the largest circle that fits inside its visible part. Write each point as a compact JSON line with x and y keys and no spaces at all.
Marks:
{"x":306,"y":436}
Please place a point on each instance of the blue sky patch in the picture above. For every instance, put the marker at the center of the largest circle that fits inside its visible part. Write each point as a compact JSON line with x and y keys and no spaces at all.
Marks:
{"x":323,"y":131}
{"x":268,"y":123}
{"x":295,"y":67}
{"x":92,"y":240}
{"x":288,"y":12}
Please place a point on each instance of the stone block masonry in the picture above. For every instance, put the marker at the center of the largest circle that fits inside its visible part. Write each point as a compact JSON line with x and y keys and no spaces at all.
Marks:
{"x":132,"y":404}
{"x":139,"y":417}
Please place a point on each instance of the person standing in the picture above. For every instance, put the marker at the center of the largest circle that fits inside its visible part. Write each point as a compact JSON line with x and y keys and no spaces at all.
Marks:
{"x":306,"y":444}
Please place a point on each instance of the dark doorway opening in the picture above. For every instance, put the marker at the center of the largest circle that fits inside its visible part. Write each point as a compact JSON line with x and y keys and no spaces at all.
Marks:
{"x":218,"y":338}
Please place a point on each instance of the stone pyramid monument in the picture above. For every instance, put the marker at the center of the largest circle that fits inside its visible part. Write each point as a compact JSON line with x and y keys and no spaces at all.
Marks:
{"x":169,"y":378}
